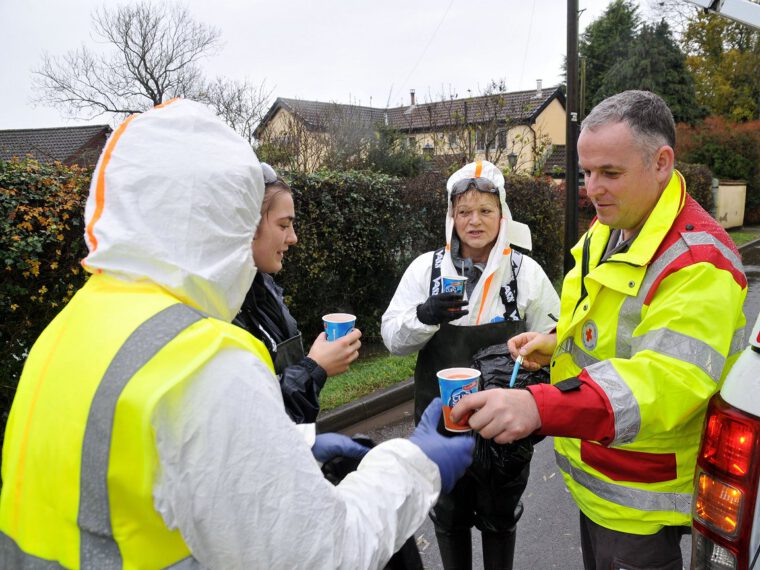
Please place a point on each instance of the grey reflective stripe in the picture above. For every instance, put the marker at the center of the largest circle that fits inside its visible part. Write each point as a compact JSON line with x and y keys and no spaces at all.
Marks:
{"x":633,"y":498}
{"x":581,"y":358}
{"x":737,"y":342}
{"x":682,"y":347}
{"x":630,"y":312}
{"x":625,"y":407}
{"x":704,"y":238}
{"x":12,"y":557}
{"x":188,"y":563}
{"x":98,"y":549}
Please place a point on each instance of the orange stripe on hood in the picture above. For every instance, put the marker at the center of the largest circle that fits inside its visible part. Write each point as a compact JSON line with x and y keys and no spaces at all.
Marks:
{"x":486,"y":287}
{"x":100,"y":188}
{"x":165,"y":103}
{"x":478,"y":168}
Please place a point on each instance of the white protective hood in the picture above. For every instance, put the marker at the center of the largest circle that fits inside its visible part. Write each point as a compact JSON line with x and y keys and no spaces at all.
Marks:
{"x":510,"y":233}
{"x":175,"y":200}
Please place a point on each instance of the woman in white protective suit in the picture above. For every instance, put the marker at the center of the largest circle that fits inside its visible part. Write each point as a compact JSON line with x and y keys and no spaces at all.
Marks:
{"x":147,"y":431}
{"x":505,"y":293}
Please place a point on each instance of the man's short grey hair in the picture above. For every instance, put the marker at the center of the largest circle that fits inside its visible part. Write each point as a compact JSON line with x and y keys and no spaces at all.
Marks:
{"x":645,"y":113}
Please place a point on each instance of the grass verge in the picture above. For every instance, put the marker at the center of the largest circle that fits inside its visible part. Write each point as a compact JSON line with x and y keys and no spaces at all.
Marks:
{"x":364,"y":377}
{"x":744,"y":234}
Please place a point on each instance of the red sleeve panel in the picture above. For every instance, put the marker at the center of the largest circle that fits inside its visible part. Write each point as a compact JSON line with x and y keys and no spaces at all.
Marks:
{"x":582,"y":412}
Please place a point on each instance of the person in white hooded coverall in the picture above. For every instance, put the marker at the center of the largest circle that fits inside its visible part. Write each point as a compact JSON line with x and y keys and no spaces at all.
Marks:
{"x":505,"y":292}
{"x":147,"y":431}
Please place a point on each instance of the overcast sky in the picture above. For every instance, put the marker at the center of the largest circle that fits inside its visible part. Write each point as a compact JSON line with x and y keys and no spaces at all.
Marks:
{"x":368,"y":52}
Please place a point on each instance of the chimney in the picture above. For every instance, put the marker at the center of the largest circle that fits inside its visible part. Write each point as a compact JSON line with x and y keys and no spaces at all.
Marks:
{"x":539,"y":92}
{"x":411,"y":94}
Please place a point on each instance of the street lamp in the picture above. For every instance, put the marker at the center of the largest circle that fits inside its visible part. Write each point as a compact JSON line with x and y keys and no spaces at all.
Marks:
{"x":512,"y":159}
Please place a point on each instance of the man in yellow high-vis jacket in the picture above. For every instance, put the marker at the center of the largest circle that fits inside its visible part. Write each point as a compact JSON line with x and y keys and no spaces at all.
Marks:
{"x":147,"y":431}
{"x":651,"y":321}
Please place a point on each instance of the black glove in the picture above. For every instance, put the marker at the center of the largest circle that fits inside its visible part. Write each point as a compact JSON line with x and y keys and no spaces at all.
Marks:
{"x":441,"y":309}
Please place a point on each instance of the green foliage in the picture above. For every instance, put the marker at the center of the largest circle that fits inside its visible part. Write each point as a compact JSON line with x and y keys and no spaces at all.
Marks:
{"x":41,"y":212}
{"x":731,"y":151}
{"x":724,"y":58}
{"x":654,"y":62}
{"x":698,"y":180}
{"x":426,"y":196}
{"x":540,"y":204}
{"x":388,"y":153}
{"x":353,"y":243}
{"x":604,"y":43}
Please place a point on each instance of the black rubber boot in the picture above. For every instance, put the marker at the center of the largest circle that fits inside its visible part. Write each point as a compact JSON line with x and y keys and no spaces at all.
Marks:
{"x":455,"y":548}
{"x":499,"y":549}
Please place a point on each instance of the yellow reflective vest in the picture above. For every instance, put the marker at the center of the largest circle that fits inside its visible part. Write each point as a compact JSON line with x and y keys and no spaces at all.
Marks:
{"x":79,"y":458}
{"x":657,"y":328}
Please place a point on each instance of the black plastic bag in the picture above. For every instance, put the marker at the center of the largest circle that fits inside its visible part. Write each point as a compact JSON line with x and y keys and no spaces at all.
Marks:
{"x":496,"y":364}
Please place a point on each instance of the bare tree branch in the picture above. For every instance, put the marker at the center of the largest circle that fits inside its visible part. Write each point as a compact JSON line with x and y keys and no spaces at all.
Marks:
{"x":151,"y":54}
{"x":241,"y":104}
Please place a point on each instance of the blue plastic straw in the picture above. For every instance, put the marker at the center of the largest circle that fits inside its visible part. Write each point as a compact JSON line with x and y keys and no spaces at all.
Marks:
{"x":515,"y":370}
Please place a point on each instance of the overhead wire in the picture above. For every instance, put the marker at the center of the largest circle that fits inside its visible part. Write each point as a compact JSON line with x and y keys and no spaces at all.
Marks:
{"x":430,"y":41}
{"x":527,"y":42}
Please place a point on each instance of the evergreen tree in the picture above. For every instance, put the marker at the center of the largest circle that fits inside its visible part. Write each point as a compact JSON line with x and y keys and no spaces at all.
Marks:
{"x":655,"y":63}
{"x":604,"y":43}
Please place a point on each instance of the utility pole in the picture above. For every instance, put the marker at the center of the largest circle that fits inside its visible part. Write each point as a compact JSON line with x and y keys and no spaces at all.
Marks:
{"x":571,"y":134}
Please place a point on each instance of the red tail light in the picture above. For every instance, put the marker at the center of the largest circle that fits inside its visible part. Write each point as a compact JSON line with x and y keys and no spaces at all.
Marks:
{"x":726,"y":488}
{"x":728,"y":445}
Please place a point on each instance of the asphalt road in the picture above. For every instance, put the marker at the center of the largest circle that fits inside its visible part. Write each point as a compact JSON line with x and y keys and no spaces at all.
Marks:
{"x":547,"y":535}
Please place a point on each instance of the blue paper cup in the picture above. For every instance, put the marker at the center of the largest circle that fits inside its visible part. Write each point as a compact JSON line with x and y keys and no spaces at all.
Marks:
{"x":338,"y":325}
{"x":454,"y":384}
{"x":453,"y":284}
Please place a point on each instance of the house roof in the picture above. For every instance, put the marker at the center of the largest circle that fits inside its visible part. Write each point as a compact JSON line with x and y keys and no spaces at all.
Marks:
{"x":556,"y":160}
{"x":316,"y":113}
{"x":63,"y":143}
{"x":518,"y":106}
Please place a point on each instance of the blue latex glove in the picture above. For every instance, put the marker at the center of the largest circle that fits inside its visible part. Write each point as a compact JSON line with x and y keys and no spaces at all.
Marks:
{"x":328,"y":446}
{"x":453,"y":455}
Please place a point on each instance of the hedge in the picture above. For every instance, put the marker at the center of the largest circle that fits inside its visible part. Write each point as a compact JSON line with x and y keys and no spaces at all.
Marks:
{"x":355,"y":237}
{"x":698,"y":180}
{"x":539,"y":203}
{"x":731,"y":151}
{"x":41,"y":213}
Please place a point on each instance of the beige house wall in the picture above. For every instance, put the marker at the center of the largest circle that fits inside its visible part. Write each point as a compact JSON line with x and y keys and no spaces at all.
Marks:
{"x":309,"y":145}
{"x":551,"y":122}
{"x":520,"y":140}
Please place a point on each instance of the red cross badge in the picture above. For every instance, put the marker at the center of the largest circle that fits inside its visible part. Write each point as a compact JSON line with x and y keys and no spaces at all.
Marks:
{"x":589,"y":335}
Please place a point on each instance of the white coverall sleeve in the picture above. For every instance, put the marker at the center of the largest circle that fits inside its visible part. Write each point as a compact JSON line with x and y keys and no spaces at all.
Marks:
{"x":402,"y":331}
{"x":243,"y":488}
{"x":537,"y":299}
